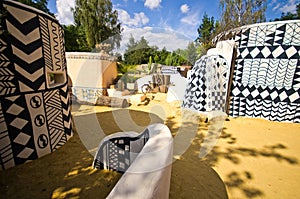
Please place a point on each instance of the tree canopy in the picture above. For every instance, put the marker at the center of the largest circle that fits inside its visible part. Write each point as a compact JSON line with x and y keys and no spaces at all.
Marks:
{"x":99,"y":22}
{"x":236,"y":13}
{"x":39,"y":4}
{"x":206,"y":31}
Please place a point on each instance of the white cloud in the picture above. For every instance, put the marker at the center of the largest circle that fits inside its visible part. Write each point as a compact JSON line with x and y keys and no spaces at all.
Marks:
{"x":139,"y":19}
{"x":276,"y":7}
{"x":285,"y":7}
{"x":289,"y":7}
{"x":184,"y":8}
{"x":192,"y":19}
{"x":159,"y":37}
{"x":64,"y":13}
{"x":152,"y":4}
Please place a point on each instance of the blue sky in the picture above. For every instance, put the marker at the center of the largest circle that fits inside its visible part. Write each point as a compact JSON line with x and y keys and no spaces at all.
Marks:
{"x":169,"y":23}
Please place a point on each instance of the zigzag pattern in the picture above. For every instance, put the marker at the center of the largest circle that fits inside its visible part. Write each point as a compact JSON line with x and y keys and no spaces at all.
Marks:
{"x":6,"y":152}
{"x":54,"y":117}
{"x":264,"y":66}
{"x":272,"y":72}
{"x":246,"y":71}
{"x":267,"y":109}
{"x":27,"y":50}
{"x":266,"y":93}
{"x":62,"y":49}
{"x":55,"y":46}
{"x":291,"y":112}
{"x":65,"y":103}
{"x":290,"y":72}
{"x":254,"y":69}
{"x":281,"y":72}
{"x":46,"y":42}
{"x":282,"y":109}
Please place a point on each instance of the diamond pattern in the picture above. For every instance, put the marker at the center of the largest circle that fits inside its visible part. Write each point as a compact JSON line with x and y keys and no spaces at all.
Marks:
{"x":22,"y":139}
{"x":207,"y":89}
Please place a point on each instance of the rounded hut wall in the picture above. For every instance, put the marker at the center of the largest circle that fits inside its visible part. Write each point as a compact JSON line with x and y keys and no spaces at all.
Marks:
{"x":34,"y":107}
{"x":266,"y":73}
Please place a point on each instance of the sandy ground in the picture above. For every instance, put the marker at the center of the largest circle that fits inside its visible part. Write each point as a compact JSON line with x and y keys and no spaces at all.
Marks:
{"x":252,"y":158}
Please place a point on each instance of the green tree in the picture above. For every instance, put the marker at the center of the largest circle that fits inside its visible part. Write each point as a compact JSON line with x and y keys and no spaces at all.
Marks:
{"x":99,"y":22}
{"x":206,"y":32}
{"x":168,"y":60}
{"x":138,"y":52}
{"x":75,"y":39}
{"x":236,"y":13}
{"x":39,"y":4}
{"x":191,"y":52}
{"x":156,"y":58}
{"x":150,"y":63}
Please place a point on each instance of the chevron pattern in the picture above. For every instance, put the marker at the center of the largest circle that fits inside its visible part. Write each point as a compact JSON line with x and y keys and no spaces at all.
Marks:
{"x":261,"y":72}
{"x":46,"y":42}
{"x":66,"y":107}
{"x":26,"y":47}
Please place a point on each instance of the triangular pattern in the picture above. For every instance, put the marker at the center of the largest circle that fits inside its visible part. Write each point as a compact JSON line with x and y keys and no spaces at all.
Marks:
{"x":54,"y":116}
{"x":279,"y":34}
{"x":207,"y":86}
{"x":7,"y":84}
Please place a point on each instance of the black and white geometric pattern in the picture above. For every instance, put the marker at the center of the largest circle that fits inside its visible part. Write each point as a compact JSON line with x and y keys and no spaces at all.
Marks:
{"x":207,"y":85}
{"x":266,"y":76}
{"x":35,"y":117}
{"x":118,"y":153}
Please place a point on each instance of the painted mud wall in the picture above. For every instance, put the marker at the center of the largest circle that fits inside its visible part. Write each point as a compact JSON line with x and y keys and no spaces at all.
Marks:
{"x":91,"y":74}
{"x":207,"y":85}
{"x":35,"y":117}
{"x":266,"y":73}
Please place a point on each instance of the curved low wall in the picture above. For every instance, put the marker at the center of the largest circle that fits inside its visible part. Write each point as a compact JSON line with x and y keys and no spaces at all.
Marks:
{"x":266,"y":73}
{"x":34,"y":98}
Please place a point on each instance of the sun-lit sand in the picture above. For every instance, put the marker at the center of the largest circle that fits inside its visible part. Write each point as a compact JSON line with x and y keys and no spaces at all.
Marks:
{"x":253,"y":158}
